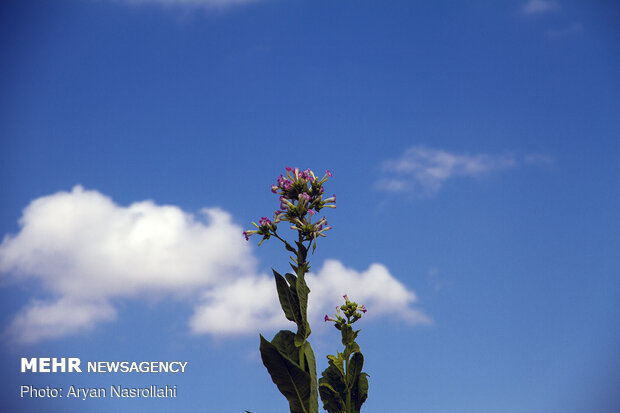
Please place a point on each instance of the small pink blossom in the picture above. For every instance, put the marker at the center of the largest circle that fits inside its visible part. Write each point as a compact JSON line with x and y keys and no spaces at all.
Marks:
{"x":283,"y":203}
{"x":248,"y":233}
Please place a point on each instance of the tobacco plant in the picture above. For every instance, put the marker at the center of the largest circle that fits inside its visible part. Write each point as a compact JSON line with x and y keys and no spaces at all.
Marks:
{"x":343,"y":386}
{"x":289,"y":357}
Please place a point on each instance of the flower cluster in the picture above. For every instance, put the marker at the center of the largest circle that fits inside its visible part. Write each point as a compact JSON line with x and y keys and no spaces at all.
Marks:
{"x":350,"y":310}
{"x":301,"y":198}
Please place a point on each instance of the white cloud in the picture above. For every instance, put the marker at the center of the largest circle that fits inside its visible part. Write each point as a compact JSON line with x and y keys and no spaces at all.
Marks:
{"x":540,"y":6}
{"x":376,"y":288}
{"x":81,"y":244}
{"x":86,"y":251}
{"x":41,"y":320}
{"x":424,"y":170}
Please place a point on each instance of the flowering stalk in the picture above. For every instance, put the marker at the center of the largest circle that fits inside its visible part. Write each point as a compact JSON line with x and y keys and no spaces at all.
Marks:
{"x":288,"y":357}
{"x":343,"y":386}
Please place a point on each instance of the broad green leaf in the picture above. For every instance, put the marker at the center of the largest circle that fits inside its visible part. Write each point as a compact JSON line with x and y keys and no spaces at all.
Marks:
{"x":288,"y":299}
{"x":302,"y":294}
{"x":302,"y":297}
{"x":284,"y":341}
{"x":354,"y":368}
{"x":311,"y":368}
{"x":302,"y":334}
{"x":333,"y":376}
{"x":337,"y":361}
{"x":359,"y":393}
{"x":348,"y":336}
{"x":332,"y":401}
{"x":292,"y":281}
{"x":350,"y":349}
{"x":292,"y":381}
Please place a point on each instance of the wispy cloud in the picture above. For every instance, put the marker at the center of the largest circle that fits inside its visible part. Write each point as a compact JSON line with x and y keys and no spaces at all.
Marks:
{"x":535,"y":7}
{"x":86,"y":253}
{"x":424,"y":170}
{"x":538,"y":159}
{"x":574,"y":28}
{"x":435,"y":280}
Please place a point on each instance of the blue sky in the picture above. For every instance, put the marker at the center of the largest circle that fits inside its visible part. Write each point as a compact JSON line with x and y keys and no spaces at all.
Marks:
{"x":474,"y":148}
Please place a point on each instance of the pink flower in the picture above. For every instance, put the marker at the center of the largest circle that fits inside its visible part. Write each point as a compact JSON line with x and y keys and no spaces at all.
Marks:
{"x":328,"y":318}
{"x":247,"y":234}
{"x":264,"y":221}
{"x":283,"y":183}
{"x":308,"y":175}
{"x":328,"y":201}
{"x":311,"y":212}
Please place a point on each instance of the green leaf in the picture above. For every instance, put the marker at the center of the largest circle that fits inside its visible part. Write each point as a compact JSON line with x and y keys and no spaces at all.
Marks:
{"x":302,"y":296}
{"x":288,"y":299}
{"x":303,"y":251}
{"x":284,"y":341}
{"x":359,"y":393}
{"x":337,"y":361}
{"x":292,"y":280}
{"x":290,"y":248}
{"x":333,"y":376}
{"x":354,"y":368}
{"x":350,"y":349}
{"x":302,"y":334}
{"x":292,"y":381}
{"x":332,"y":401}
{"x":348,"y":335}
{"x":311,"y":368}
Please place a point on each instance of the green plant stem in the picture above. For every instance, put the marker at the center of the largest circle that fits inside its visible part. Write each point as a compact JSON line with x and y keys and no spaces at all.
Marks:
{"x":301,"y":265}
{"x":281,"y":239}
{"x":301,"y":355}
